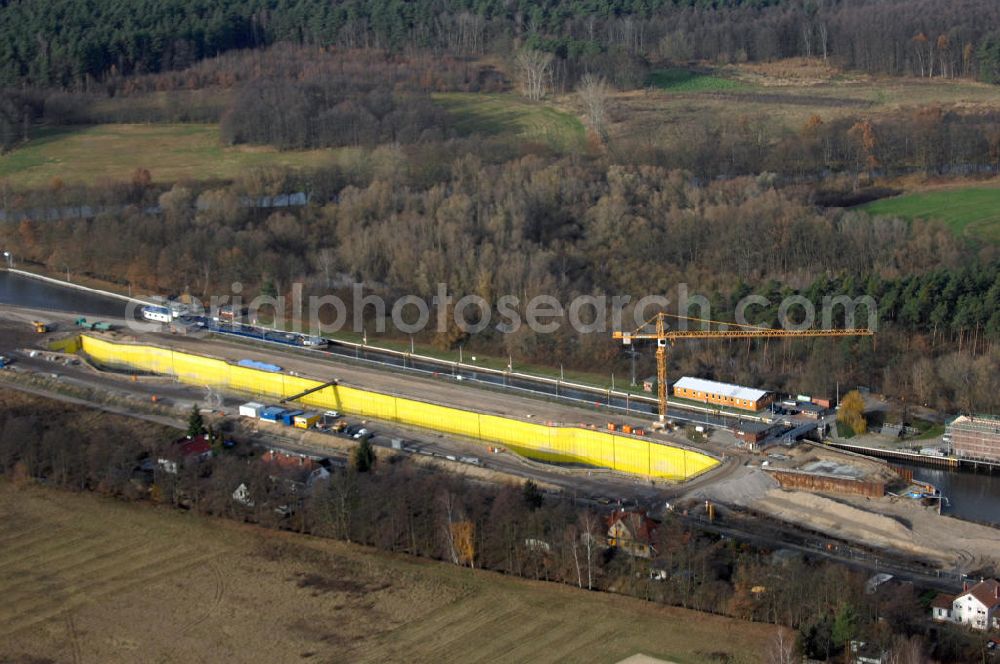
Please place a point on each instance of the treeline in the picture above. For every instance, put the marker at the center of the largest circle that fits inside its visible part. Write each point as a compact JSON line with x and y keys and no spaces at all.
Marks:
{"x":295,"y":115}
{"x":400,"y":222}
{"x":68,"y":44}
{"x":18,"y":113}
{"x":513,"y":529}
{"x":933,"y":140}
{"x":358,"y":98}
{"x":415,"y":71}
{"x":286,"y":96}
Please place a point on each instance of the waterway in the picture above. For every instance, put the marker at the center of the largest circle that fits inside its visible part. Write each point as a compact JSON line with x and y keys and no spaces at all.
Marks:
{"x":35,"y":293}
{"x":971,"y":495}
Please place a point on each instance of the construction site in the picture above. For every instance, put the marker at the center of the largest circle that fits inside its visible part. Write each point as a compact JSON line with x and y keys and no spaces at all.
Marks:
{"x":609,"y":453}
{"x":811,"y":467}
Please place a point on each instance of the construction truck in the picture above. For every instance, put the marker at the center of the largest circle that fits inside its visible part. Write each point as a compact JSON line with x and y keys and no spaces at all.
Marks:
{"x":41,"y":327}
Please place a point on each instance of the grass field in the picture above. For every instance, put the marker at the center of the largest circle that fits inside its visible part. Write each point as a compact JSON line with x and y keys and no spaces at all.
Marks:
{"x":685,"y":80}
{"x":494,"y":114}
{"x":174,"y":152}
{"x":168,"y":586}
{"x":786,"y":93}
{"x":170,"y":151}
{"x":972,"y":212}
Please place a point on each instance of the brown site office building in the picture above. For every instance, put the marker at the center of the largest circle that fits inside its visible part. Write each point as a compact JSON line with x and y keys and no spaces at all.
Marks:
{"x":722,"y":394}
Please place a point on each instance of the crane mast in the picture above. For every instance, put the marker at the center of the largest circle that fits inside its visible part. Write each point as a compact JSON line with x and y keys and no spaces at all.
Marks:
{"x":663,"y":337}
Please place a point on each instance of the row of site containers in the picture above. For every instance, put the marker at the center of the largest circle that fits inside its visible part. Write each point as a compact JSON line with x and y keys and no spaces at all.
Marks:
{"x":297,"y":418}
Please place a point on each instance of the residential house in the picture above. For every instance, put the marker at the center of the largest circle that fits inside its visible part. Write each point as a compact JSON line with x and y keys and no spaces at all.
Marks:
{"x":185,"y":450}
{"x":941,"y":607}
{"x":868,"y":653}
{"x":632,"y":532}
{"x":242,"y":495}
{"x":297,"y":469}
{"x":978,"y":606}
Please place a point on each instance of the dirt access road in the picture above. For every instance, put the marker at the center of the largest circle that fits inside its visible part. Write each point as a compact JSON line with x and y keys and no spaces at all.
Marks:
{"x":169,"y":586}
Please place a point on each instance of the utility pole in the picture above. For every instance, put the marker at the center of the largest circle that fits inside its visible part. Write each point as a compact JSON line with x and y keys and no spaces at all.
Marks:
{"x":632,"y":353}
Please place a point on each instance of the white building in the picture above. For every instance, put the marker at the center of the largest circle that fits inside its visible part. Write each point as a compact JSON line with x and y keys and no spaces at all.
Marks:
{"x":977,"y":606}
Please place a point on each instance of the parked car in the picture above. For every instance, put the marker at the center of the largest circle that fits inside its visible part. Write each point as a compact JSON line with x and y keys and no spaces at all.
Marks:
{"x":361,"y":432}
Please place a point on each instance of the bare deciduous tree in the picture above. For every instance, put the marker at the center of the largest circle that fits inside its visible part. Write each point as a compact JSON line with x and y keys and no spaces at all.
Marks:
{"x":535,"y":69}
{"x":782,"y":650}
{"x":593,"y":92}
{"x":907,"y":651}
{"x":590,"y":531}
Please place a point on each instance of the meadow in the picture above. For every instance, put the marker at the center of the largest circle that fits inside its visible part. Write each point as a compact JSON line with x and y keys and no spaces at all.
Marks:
{"x":171,"y":152}
{"x":163,"y":585}
{"x":193,"y":151}
{"x":970,"y":212}
{"x":686,"y":80}
{"x":509,"y":114}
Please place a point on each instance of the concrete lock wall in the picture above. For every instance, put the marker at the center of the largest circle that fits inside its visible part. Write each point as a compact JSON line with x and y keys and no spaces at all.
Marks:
{"x":538,"y":441}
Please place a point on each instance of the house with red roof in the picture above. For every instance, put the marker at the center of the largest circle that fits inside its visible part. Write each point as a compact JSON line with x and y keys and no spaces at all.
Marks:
{"x":978,"y":606}
{"x":633,"y":532}
{"x":299,"y":469}
{"x":941,"y":607}
{"x":185,"y":450}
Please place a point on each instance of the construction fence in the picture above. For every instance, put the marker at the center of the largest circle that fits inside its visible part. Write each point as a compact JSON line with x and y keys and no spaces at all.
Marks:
{"x":557,"y":444}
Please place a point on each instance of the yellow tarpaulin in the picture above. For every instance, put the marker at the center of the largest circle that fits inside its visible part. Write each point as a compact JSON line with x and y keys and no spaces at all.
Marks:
{"x":546,"y":443}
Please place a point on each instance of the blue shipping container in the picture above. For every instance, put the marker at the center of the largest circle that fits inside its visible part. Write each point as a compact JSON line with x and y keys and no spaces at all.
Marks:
{"x":288,"y":417}
{"x":272,"y":413}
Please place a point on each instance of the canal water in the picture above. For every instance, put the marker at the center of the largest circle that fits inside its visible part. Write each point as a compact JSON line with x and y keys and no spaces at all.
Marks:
{"x":35,"y":293}
{"x":971,"y":495}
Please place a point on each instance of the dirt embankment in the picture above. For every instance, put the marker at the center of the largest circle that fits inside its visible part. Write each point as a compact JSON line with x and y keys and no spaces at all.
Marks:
{"x":888,"y":524}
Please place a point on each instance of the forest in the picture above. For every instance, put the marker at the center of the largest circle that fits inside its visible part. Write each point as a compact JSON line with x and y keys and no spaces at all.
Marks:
{"x":408,"y":508}
{"x":719,"y":190}
{"x":570,"y":227}
{"x":71,"y":44}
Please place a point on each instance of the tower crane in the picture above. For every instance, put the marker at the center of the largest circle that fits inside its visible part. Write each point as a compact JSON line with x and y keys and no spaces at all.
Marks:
{"x":663,"y":337}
